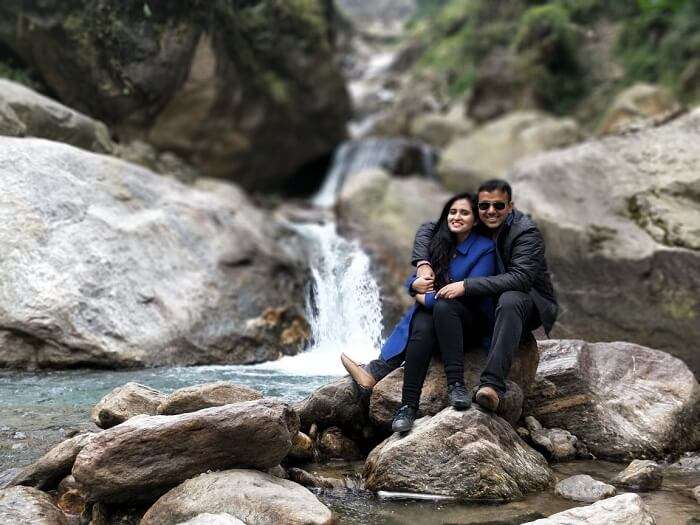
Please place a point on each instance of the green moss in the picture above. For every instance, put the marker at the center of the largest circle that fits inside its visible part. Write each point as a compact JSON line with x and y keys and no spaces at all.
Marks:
{"x":680,"y":305}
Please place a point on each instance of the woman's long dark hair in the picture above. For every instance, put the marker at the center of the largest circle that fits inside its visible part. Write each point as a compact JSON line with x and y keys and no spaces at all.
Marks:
{"x":443,"y":241}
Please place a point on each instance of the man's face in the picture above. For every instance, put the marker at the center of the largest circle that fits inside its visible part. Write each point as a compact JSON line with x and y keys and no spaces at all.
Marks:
{"x":489,"y":204}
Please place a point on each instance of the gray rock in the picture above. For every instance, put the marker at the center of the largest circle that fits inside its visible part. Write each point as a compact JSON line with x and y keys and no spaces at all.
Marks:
{"x":439,"y":129}
{"x":696,"y":493}
{"x":584,"y":488}
{"x":52,"y":467}
{"x":29,"y":506}
{"x":24,"y":112}
{"x":147,"y":455}
{"x":690,"y":462}
{"x":637,"y":106}
{"x":251,"y":496}
{"x":626,"y":509}
{"x":557,"y":444}
{"x":620,"y":217}
{"x":468,"y":455}
{"x":623,"y":401}
{"x":213,"y":519}
{"x":166,"y":273}
{"x":125,"y":402}
{"x":192,"y":398}
{"x":334,"y":445}
{"x":307,"y":479}
{"x":640,"y":475}
{"x":6,"y":476}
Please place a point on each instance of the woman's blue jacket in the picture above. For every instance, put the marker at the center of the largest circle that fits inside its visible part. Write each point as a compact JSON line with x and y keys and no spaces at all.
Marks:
{"x":473,"y":257}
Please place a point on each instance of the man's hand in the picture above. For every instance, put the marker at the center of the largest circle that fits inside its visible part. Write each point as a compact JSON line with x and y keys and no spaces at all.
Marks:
{"x":451,"y":291}
{"x":423,"y":285}
{"x":425,"y":270}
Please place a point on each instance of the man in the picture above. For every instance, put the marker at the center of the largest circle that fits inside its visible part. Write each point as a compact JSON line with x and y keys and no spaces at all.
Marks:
{"x":523,"y":287}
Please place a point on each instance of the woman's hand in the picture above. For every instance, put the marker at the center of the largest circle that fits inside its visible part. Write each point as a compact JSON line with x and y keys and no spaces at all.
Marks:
{"x":423,"y":285}
{"x":425,"y":270}
{"x":451,"y":291}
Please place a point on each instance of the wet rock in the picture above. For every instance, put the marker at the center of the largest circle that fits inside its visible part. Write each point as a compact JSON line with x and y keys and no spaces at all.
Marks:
{"x":696,"y":493}
{"x":439,"y":129}
{"x":278,"y":471}
{"x":146,"y":455}
{"x":386,"y":395}
{"x":164,"y":163}
{"x":626,"y":509}
{"x":311,"y":480}
{"x":70,"y":496}
{"x":303,"y":448}
{"x":334,"y":445}
{"x":467,"y":455}
{"x":24,"y":112}
{"x":622,"y":400}
{"x":213,"y":519}
{"x":634,"y":248}
{"x":584,"y":488}
{"x":6,"y":476}
{"x":53,"y":466}
{"x":640,"y":475}
{"x":125,"y":402}
{"x":29,"y":506}
{"x":193,"y":398}
{"x":490,"y":151}
{"x":158,"y":282}
{"x":556,"y":443}
{"x":637,"y":106}
{"x":248,"y":495}
{"x":689,"y":462}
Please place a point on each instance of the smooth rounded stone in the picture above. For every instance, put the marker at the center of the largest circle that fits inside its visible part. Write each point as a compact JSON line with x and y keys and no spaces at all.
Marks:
{"x":334,"y":445}
{"x":52,"y":467}
{"x":303,"y":448}
{"x":251,"y":496}
{"x":192,"y":398}
{"x":29,"y":506}
{"x":626,"y":509}
{"x":584,"y":488}
{"x":386,"y":395}
{"x":492,"y":149}
{"x":637,"y":106}
{"x":623,"y":401}
{"x":42,"y":117}
{"x":556,"y":443}
{"x":278,"y":471}
{"x":147,"y":455}
{"x":617,"y":212}
{"x":213,"y":519}
{"x":439,"y":129}
{"x":468,"y":455}
{"x":167,"y":274}
{"x":70,"y":496}
{"x":307,"y":479}
{"x":125,"y":402}
{"x":640,"y":475}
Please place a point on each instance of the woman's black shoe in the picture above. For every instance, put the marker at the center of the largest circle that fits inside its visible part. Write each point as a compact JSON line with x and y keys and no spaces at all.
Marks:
{"x":403,"y":419}
{"x":459,"y":397}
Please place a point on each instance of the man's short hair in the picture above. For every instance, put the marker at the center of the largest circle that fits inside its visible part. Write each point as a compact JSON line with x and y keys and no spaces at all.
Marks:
{"x":496,"y":185}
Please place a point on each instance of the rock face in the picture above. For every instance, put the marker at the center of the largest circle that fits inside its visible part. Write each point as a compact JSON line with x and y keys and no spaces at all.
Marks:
{"x":197,"y":397}
{"x":584,"y":488}
{"x":556,"y":443}
{"x":640,"y":475}
{"x":467,"y":455}
{"x":207,"y":84}
{"x":639,"y":105}
{"x":439,"y":129}
{"x":147,"y":455}
{"x":24,"y":112}
{"x":620,"y":217}
{"x":165,"y":273}
{"x":386,"y":395}
{"x":125,"y":402}
{"x":334,"y":445}
{"x":52,"y":467}
{"x":489,"y":151}
{"x":29,"y":506}
{"x":622,"y":400}
{"x":626,"y":509}
{"x":253,"y":497}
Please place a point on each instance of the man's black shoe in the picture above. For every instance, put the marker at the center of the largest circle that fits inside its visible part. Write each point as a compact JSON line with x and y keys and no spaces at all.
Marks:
{"x":459,"y":397}
{"x":403,"y":419}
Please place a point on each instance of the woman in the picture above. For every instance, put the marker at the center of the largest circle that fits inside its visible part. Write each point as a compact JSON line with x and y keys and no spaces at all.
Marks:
{"x":457,"y":251}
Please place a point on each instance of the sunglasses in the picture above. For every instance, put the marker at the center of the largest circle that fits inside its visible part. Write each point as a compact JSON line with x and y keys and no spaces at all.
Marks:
{"x":498,"y":205}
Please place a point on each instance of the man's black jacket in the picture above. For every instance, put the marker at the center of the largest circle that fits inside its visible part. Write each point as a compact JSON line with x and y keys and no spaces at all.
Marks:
{"x":521,"y":263}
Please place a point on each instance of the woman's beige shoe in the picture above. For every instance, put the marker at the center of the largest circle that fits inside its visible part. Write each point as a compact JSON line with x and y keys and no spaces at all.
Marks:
{"x":359,"y":374}
{"x":487,"y":398}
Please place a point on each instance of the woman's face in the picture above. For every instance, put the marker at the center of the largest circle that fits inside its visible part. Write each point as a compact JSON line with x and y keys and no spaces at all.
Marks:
{"x":460,"y":218}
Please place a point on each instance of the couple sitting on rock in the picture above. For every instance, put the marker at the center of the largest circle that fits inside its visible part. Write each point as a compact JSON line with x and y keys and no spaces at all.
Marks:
{"x":481,"y":278}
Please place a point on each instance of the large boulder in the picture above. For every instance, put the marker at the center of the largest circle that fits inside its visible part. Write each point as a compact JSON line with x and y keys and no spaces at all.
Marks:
{"x":584,"y":488}
{"x":439,"y":129}
{"x":197,"y":397}
{"x":29,"y":506}
{"x":125,"y":402}
{"x":639,"y":105}
{"x":641,"y":474}
{"x":622,"y":400}
{"x":466,"y":455}
{"x":39,"y":116}
{"x":626,"y":509}
{"x":386,"y":395}
{"x":107,"y":264}
{"x":620,"y":217}
{"x":491,"y":150}
{"x":252,"y":497}
{"x":147,"y":455}
{"x":209,"y":84}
